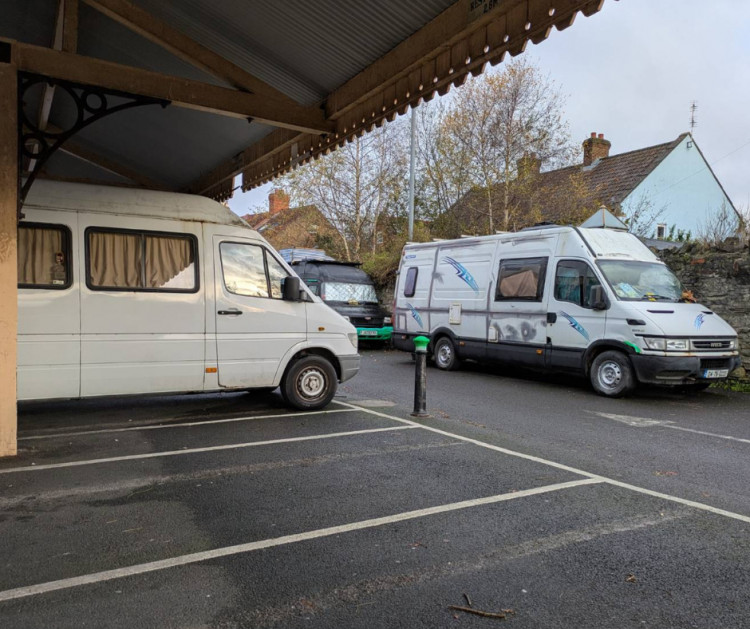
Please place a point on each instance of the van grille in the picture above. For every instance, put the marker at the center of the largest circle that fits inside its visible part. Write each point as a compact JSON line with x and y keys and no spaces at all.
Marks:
{"x":712,"y":344}
{"x":716,"y":363}
{"x":366,"y":322}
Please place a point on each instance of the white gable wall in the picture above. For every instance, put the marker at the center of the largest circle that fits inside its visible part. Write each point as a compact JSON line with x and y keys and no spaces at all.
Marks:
{"x":682,"y":190}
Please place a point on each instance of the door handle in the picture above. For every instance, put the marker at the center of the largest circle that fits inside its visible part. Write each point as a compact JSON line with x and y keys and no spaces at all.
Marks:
{"x":234,"y":311}
{"x":551,"y":317}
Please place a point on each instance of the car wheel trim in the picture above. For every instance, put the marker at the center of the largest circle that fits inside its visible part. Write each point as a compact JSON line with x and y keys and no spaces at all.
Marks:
{"x":311,"y":383}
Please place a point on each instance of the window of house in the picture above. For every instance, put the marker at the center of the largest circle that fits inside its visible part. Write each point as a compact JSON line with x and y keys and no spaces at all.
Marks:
{"x":141,"y":261}
{"x":521,"y":279}
{"x":43,"y":256}
{"x":411,"y":281}
{"x":574,"y":282}
{"x":249,"y":270}
{"x":661,"y":231}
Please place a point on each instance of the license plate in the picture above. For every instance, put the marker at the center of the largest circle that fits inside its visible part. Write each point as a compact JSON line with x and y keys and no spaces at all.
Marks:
{"x":715,"y":373}
{"x":368,"y":332}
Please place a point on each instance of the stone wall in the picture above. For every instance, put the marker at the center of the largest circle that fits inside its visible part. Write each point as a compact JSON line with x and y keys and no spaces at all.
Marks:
{"x":719,"y":278}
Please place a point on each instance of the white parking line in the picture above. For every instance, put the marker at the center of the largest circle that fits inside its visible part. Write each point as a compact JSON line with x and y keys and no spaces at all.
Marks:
{"x":646,"y":422}
{"x":230,"y":446}
{"x":560,"y":466}
{"x":708,"y":434}
{"x":183,"y":560}
{"x":182,"y":425}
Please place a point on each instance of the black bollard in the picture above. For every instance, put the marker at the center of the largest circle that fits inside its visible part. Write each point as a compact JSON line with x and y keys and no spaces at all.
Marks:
{"x":420,"y":377}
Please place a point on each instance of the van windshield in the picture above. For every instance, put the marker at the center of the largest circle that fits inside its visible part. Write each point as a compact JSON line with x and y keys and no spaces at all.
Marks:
{"x":641,"y":281}
{"x":343,"y":291}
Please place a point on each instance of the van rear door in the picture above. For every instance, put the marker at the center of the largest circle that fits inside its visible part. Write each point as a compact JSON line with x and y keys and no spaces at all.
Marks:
{"x":255,"y":327}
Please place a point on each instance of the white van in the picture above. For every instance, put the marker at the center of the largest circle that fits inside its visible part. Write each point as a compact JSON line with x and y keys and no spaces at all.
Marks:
{"x":591,"y":301}
{"x":124,"y":291}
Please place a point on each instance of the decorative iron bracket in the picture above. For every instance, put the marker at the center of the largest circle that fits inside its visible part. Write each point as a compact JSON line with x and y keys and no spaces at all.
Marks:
{"x":92,"y":104}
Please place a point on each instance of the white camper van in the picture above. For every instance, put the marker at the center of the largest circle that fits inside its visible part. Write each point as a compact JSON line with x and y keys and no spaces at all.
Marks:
{"x":591,"y":301}
{"x":124,"y":291}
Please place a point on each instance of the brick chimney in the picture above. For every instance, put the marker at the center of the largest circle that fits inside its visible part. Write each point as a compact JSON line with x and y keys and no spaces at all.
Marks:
{"x":594,"y":148}
{"x":529,"y":164}
{"x":278,"y":200}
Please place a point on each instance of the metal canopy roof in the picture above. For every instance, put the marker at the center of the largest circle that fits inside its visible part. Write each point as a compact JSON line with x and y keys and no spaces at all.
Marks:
{"x":255,"y":88}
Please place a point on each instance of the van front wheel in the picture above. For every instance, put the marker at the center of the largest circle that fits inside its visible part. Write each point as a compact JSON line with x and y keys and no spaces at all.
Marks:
{"x":309,"y":383}
{"x":445,"y":354}
{"x":612,"y":375}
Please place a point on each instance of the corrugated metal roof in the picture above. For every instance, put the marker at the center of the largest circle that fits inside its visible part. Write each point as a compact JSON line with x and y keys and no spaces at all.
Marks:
{"x":365,"y":61}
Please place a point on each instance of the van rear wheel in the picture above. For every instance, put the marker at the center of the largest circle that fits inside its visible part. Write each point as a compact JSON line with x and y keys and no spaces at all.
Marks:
{"x":309,"y":383}
{"x":445,"y":354}
{"x":612,"y":375}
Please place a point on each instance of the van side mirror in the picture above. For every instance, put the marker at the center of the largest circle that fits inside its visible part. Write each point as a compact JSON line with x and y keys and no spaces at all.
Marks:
{"x":290,"y":291}
{"x":599,"y":298}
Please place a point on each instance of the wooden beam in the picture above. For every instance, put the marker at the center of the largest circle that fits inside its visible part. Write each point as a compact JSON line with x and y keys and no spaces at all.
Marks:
{"x":180,"y":92}
{"x":87,"y":155}
{"x":182,"y":46}
{"x":70,"y":26}
{"x":8,"y":257}
{"x":66,"y":38}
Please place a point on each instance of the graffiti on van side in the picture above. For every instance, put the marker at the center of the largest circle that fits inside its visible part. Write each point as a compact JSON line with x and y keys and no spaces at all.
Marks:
{"x":576,"y":326}
{"x":463,"y":273}
{"x":416,"y":316}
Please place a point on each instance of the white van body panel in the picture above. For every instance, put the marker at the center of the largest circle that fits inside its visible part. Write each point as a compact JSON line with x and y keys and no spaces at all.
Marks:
{"x":457,"y":296}
{"x":82,"y":340}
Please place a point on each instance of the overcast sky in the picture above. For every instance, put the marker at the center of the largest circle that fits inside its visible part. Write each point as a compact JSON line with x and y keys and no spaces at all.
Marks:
{"x":631,"y":72}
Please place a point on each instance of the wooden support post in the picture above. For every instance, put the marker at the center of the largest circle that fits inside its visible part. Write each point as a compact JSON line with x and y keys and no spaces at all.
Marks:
{"x":8,"y":256}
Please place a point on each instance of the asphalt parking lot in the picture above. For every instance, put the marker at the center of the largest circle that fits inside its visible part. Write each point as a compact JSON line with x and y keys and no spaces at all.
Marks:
{"x":230,"y":511}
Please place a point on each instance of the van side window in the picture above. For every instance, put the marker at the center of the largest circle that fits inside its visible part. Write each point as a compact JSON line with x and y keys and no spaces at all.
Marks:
{"x":574,"y":282}
{"x":140,"y":261}
{"x":521,"y":279}
{"x":411,"y":281}
{"x":250,"y":271}
{"x":43,"y":256}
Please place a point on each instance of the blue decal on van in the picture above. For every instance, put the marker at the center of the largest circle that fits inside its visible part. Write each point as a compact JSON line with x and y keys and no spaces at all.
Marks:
{"x":699,"y":321}
{"x":576,"y":326}
{"x":463,"y":273}
{"x":415,"y":315}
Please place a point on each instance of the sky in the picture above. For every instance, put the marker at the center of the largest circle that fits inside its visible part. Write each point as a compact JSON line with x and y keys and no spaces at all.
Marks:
{"x":632,"y":71}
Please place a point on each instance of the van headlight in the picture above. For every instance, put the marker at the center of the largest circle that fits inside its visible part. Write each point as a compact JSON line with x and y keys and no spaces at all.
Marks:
{"x":678,"y":345}
{"x":664,"y":344}
{"x":353,"y":339}
{"x":386,"y":321}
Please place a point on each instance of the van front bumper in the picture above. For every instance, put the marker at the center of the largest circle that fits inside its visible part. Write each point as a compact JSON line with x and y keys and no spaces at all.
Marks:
{"x":375,"y":334}
{"x":681,"y":369}
{"x":349,"y":366}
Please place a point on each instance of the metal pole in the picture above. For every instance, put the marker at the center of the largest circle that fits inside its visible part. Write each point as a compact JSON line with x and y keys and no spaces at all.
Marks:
{"x":420,"y":377}
{"x":412,"y":159}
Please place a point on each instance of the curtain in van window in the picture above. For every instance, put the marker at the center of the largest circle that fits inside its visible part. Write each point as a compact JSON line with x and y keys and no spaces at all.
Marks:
{"x":38,"y":248}
{"x":166,"y":259}
{"x":115,"y":260}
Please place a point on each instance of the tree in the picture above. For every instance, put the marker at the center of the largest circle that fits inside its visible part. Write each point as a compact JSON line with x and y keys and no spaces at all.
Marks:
{"x":642,"y":215}
{"x":720,"y":225}
{"x":356,"y":186}
{"x":496,"y":120}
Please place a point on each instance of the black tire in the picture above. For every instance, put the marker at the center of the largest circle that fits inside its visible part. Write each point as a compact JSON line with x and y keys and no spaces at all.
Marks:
{"x":612,"y":374}
{"x":444,"y":354}
{"x":309,"y":383}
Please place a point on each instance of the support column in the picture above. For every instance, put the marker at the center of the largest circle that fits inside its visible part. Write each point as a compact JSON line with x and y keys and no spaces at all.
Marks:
{"x":8,"y":256}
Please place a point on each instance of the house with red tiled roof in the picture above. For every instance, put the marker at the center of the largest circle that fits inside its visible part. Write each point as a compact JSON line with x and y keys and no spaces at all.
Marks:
{"x":657,"y":189}
{"x":294,"y":227}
